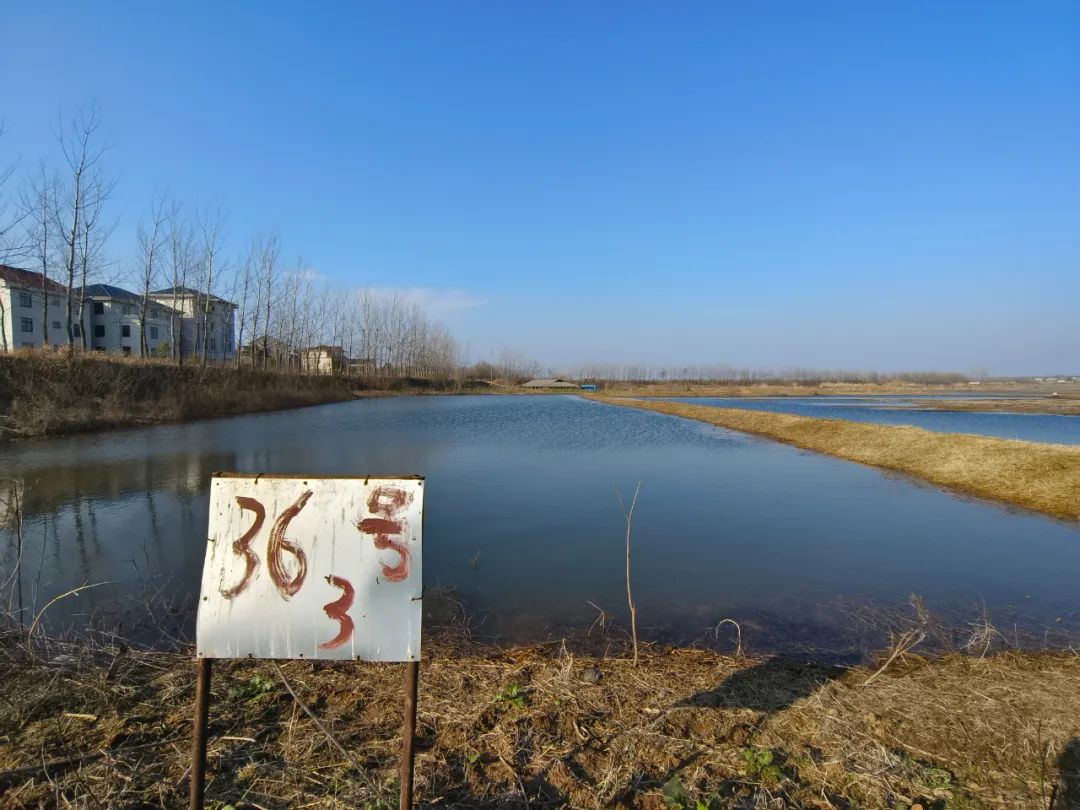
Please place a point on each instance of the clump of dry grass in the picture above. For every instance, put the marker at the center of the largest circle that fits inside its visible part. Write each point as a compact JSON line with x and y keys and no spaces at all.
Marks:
{"x":98,"y":724}
{"x":1043,"y":477}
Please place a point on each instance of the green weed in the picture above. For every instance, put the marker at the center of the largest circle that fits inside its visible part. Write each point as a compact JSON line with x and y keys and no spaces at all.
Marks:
{"x":255,"y":686}
{"x":513,"y":696}
{"x":760,"y":766}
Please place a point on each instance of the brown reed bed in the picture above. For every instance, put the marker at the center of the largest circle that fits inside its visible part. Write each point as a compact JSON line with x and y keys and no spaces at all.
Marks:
{"x":1042,"y":477}
{"x":48,"y":393}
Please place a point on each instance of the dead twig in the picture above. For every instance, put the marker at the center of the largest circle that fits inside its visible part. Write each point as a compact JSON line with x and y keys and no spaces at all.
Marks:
{"x":322,"y":728}
{"x":629,"y":515}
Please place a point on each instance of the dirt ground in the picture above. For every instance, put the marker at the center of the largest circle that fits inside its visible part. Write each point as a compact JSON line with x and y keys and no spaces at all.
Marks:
{"x":101,"y":725}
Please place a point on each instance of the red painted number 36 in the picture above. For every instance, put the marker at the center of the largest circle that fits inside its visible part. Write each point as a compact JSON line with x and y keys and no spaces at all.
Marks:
{"x":386,"y":526}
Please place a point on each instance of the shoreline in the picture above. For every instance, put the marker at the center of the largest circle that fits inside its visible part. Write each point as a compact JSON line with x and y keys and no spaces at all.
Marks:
{"x":48,"y":395}
{"x":45,"y":395}
{"x":543,"y":726}
{"x":1041,"y":477}
{"x":1051,"y":407}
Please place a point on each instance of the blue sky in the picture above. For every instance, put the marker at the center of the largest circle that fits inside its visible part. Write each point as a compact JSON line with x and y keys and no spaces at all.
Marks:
{"x":826,"y":185}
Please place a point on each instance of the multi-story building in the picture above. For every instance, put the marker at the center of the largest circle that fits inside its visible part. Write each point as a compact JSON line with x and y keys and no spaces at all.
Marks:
{"x":212,"y":327}
{"x":32,"y":314}
{"x":115,"y":325}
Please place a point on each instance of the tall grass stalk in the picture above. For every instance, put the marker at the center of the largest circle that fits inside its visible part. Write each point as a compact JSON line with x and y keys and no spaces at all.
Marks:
{"x":628,"y":514}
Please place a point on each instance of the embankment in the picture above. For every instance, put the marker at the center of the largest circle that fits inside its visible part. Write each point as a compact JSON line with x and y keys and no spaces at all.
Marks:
{"x":540,"y":727}
{"x":1042,"y":477}
{"x":1061,"y":406}
{"x":47,"y":394}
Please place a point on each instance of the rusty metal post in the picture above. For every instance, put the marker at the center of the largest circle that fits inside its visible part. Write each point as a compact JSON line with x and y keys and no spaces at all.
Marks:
{"x":408,"y":737}
{"x":197,"y":785}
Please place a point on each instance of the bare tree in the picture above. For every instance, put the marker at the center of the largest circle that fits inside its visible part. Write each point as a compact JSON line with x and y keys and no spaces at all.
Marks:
{"x":91,"y":244}
{"x":212,"y":228}
{"x":268,"y":267}
{"x":180,"y":239}
{"x":11,"y":214}
{"x":78,"y":215}
{"x":149,"y":237}
{"x":245,"y":280}
{"x":38,"y":204}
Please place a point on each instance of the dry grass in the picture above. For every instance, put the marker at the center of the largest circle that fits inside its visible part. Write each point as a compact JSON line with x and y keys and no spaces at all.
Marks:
{"x":541,"y":727}
{"x":1064,"y":406}
{"x":47,"y":393}
{"x":829,"y":389}
{"x":1043,"y":477}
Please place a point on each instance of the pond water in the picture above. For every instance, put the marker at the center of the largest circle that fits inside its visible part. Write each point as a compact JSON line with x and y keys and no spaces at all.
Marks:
{"x":522,"y":520}
{"x":907,"y":410}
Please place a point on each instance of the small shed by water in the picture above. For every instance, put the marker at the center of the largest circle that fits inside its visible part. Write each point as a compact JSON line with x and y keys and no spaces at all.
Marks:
{"x":556,"y":382}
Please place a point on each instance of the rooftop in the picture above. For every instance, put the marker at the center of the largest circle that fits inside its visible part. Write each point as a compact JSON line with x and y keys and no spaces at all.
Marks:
{"x":28,"y":279}
{"x":109,"y":291}
{"x":188,"y":292}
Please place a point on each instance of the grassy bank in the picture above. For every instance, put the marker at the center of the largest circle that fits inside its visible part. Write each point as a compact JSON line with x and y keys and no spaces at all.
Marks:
{"x":1043,"y":477}
{"x":686,"y":388}
{"x":84,"y":726}
{"x":1062,"y":406}
{"x":46,"y":394}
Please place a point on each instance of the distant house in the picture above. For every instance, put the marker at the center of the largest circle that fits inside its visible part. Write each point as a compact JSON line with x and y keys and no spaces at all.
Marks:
{"x":361,"y":365}
{"x":322,"y":359}
{"x":114,"y":322}
{"x":206,"y":322}
{"x":264,"y":350}
{"x":557,"y":382}
{"x":590,"y":387}
{"x":23,"y":310}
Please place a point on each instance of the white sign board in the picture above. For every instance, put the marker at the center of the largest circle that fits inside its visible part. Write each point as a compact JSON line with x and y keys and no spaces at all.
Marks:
{"x":323,"y":568}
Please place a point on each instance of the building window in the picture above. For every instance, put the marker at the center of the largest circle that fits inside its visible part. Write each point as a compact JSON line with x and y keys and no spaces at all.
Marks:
{"x":28,"y":324}
{"x":155,"y":313}
{"x":125,"y":331}
{"x":54,"y":301}
{"x":26,"y":299}
{"x":56,"y":324}
{"x":99,"y":330}
{"x":99,"y":308}
{"x":153,"y":333}
{"x":213,"y":344}
{"x":127,"y":309}
{"x":28,"y":345}
{"x":126,"y":350}
{"x":76,"y":330}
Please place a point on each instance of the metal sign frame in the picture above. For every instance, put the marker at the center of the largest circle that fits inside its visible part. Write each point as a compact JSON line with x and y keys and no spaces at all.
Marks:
{"x":379,"y":525}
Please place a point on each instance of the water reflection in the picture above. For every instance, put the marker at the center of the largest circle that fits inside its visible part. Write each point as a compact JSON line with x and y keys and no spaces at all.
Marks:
{"x":522,"y":521}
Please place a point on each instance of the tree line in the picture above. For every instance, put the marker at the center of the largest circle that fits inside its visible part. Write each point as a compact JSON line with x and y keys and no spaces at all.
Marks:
{"x":56,"y":220}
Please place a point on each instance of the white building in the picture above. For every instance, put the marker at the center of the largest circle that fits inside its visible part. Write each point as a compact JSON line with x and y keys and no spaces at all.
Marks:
{"x":114,"y":325}
{"x":112,"y":318}
{"x":27,"y":315}
{"x":322,"y":359}
{"x":213,"y":327}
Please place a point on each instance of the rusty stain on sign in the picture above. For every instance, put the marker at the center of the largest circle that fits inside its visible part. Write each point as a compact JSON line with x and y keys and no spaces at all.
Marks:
{"x":324,"y":568}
